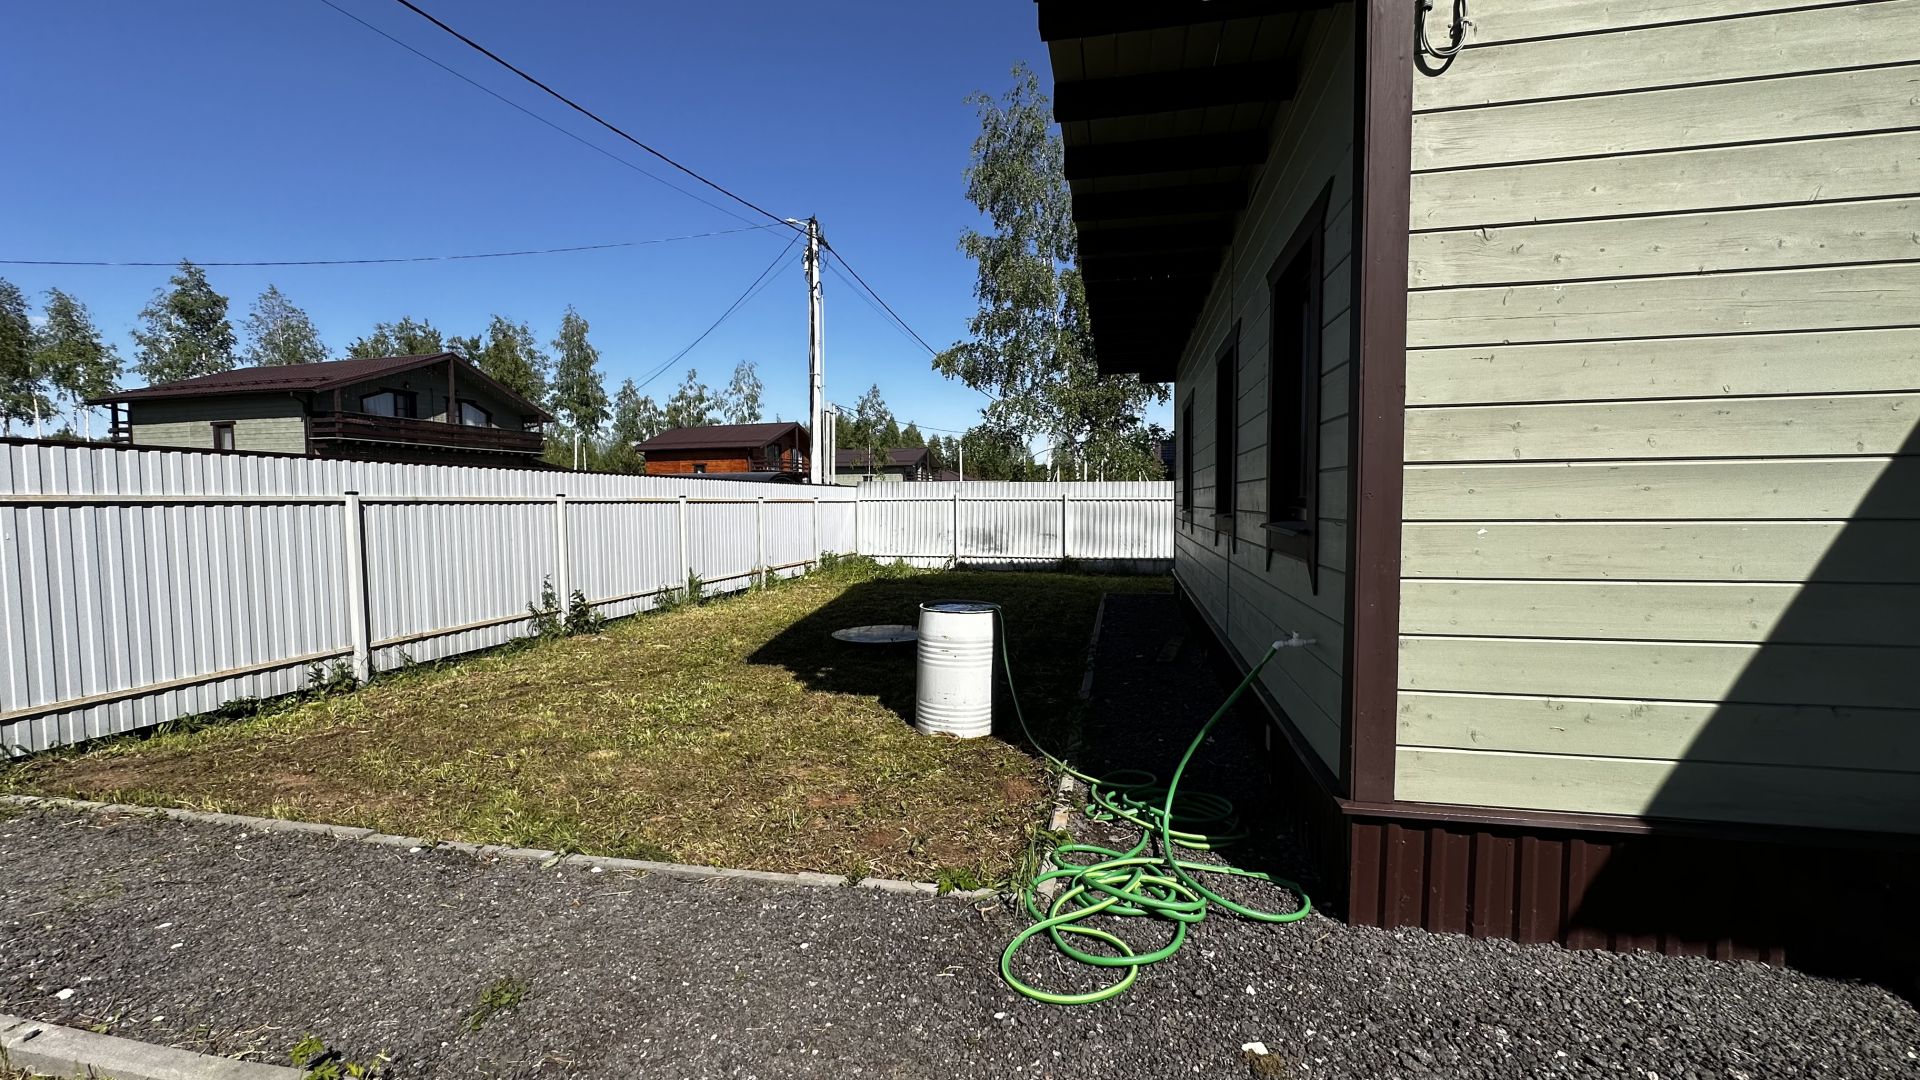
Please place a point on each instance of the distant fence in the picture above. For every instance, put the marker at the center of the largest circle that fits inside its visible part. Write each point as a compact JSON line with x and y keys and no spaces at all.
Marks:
{"x":1113,"y":525}
{"x":137,"y":586}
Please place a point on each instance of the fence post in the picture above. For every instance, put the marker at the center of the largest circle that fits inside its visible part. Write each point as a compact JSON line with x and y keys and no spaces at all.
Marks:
{"x":815,"y":557}
{"x":354,"y":534}
{"x":562,"y":570}
{"x":686,"y":556}
{"x":956,"y":524}
{"x":1064,"y":554}
{"x":760,"y":537}
{"x":858,"y":498}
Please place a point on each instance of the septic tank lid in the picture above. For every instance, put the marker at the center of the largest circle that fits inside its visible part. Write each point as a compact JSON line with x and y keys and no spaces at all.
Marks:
{"x":887,"y":634}
{"x":958,"y":607}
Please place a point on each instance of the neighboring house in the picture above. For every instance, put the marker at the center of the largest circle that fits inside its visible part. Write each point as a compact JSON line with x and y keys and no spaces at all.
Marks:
{"x":729,"y":450}
{"x":1163,"y":453}
{"x":902,"y":463}
{"x":428,"y":409}
{"x":1565,"y":397}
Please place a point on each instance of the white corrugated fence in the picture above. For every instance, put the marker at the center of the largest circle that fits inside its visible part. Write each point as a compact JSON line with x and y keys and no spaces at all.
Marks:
{"x":137,"y":586}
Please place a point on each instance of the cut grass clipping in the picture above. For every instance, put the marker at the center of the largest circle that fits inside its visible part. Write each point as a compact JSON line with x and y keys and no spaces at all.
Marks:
{"x":502,"y":995}
{"x":731,"y":732}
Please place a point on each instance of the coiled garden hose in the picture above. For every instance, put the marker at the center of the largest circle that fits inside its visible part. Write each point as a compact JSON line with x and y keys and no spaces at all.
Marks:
{"x":1136,"y":882}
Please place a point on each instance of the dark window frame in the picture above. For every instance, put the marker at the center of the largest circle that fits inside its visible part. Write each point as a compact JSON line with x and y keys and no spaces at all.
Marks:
{"x":1296,"y":357}
{"x":460,"y":412}
{"x":412,"y":398}
{"x":1186,"y":459}
{"x":224,"y":427}
{"x":700,"y":467}
{"x":1226,"y":434}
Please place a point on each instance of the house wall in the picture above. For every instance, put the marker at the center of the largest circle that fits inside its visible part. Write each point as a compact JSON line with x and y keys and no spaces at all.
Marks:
{"x":430,"y":383}
{"x":1223,"y":563}
{"x":274,"y":424}
{"x":681,"y":462}
{"x":1661,"y":550}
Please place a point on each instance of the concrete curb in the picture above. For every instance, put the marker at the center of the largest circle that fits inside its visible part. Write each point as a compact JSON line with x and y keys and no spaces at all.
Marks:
{"x":52,"y":1050}
{"x":481,"y":852}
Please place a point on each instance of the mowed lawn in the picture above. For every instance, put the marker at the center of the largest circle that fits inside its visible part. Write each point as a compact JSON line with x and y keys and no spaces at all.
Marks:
{"x":734,"y":733}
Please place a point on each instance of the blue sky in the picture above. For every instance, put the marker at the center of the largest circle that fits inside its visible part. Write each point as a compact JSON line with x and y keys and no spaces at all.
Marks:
{"x":228,"y":130}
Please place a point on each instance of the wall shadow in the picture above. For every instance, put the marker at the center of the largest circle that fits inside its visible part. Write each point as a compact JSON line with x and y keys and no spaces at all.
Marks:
{"x":1048,"y":622}
{"x":1821,"y":726}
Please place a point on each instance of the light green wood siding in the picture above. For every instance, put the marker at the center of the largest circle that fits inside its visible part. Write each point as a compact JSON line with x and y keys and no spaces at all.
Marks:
{"x":1661,"y":552}
{"x":269,"y":424}
{"x":1223,"y":563}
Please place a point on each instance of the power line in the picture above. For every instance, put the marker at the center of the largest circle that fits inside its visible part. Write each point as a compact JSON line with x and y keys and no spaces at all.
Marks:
{"x":931,"y":351}
{"x":400,"y":259}
{"x":588,"y":113}
{"x":496,"y":95}
{"x":912,"y":423}
{"x":745,"y":294}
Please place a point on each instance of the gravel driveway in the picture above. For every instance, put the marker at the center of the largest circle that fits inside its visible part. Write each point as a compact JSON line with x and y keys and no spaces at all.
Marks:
{"x":214,"y":938}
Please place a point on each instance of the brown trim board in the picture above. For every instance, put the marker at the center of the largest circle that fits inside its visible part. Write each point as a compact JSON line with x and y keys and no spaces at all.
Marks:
{"x":1383,"y":171}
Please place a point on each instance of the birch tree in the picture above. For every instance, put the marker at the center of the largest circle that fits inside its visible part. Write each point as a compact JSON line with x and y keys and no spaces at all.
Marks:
{"x":1029,"y":347}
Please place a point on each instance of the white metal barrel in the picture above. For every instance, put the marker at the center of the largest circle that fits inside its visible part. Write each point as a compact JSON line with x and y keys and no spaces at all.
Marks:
{"x":955,"y":695}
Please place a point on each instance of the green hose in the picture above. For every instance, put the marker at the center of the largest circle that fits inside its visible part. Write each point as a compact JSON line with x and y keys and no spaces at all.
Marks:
{"x":1135,"y":883}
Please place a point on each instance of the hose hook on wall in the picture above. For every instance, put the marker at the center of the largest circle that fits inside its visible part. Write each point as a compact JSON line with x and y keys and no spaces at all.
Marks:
{"x":1434,"y":59}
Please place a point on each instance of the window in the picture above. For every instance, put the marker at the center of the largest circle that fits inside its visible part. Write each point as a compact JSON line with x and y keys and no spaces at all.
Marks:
{"x":223,"y":435}
{"x":1226,"y":422}
{"x":473,"y":415}
{"x":699,"y":466}
{"x":398,"y":403}
{"x":1293,"y":390}
{"x":1186,"y":459}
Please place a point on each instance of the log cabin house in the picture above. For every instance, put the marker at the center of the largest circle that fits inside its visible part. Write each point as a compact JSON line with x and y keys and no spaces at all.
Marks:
{"x":770,"y":450}
{"x":433,"y":409}
{"x":1564,"y":391}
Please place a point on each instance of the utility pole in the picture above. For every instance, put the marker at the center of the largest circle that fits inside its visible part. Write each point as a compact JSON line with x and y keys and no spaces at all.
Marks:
{"x":818,"y":472}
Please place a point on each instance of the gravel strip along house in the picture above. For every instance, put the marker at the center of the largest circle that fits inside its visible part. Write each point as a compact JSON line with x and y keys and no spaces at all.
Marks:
{"x":1562,"y":388}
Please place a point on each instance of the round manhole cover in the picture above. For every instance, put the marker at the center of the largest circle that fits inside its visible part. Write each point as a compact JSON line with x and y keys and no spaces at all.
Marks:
{"x":888,"y":634}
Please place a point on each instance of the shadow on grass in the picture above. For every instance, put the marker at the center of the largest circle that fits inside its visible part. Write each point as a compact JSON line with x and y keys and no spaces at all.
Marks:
{"x":1048,"y":623}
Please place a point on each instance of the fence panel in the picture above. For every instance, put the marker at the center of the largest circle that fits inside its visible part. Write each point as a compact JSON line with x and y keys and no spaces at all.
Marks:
{"x":137,"y":586}
{"x":1116,"y":524}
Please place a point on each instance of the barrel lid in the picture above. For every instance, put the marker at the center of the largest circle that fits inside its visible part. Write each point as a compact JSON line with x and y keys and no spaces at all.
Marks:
{"x":958,"y":607}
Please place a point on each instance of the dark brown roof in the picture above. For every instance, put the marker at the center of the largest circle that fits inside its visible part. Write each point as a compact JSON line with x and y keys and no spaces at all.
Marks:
{"x":288,"y":378}
{"x":905,"y":455}
{"x":722,"y":436}
{"x":1161,"y":157}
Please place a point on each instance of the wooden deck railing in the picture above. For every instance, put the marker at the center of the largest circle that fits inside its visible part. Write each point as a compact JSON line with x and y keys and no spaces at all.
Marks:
{"x":364,"y":427}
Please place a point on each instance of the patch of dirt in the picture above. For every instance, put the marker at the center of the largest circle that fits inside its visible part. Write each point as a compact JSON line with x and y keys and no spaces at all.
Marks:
{"x":1020,"y":791}
{"x":882,"y":841}
{"x":846,"y":800}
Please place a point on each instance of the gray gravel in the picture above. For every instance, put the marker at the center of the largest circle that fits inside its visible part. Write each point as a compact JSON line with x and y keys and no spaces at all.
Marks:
{"x":218,"y":939}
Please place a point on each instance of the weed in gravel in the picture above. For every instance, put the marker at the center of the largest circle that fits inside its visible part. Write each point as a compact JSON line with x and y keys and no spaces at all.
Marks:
{"x":320,"y":1063}
{"x":957,"y":879}
{"x":1263,"y":1064}
{"x":502,"y":995}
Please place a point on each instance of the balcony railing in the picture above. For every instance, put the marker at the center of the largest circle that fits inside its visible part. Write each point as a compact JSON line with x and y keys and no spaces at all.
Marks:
{"x":365,"y":427}
{"x":786,"y":461}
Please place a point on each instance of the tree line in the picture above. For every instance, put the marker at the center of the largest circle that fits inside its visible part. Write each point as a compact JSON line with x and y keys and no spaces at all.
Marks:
{"x":51,"y":365}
